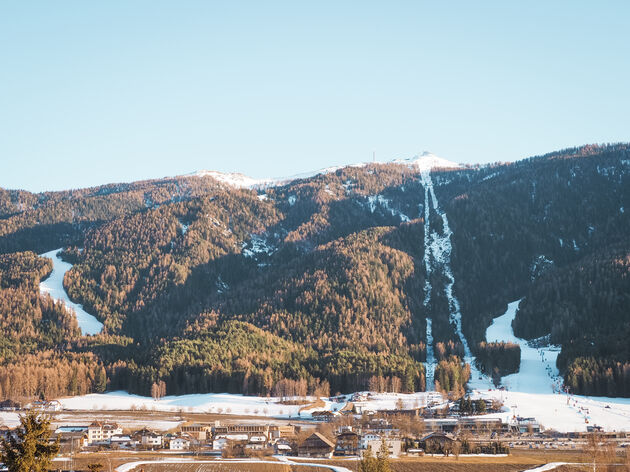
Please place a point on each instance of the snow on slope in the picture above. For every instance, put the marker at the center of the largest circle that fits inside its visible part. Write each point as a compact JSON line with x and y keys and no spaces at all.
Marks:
{"x":430,"y":363}
{"x":233,"y":179}
{"x":538,"y":372}
{"x":199,"y":403}
{"x":426,"y":161}
{"x":437,"y":256}
{"x":53,"y":286}
{"x":423,"y":161}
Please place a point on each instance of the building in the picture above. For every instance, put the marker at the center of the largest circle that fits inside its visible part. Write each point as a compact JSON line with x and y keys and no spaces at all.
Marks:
{"x":366,"y":438}
{"x":394,"y":446}
{"x":282,"y":447}
{"x":443,"y":425}
{"x":197,"y":431}
{"x":480,"y":423}
{"x":121,"y":441}
{"x":148,"y":439}
{"x":525,"y":425}
{"x":438,"y":443}
{"x":241,"y":432}
{"x":99,"y":432}
{"x":282,"y":431}
{"x":152,"y":440}
{"x":316,"y":445}
{"x":347,"y":444}
{"x":9,"y":405}
{"x":179,"y":444}
{"x":219,"y":443}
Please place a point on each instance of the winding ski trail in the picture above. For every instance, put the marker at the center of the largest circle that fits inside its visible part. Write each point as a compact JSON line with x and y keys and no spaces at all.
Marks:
{"x":53,"y":286}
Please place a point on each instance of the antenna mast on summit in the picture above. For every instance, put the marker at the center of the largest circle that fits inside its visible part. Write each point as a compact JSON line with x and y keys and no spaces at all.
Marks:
{"x":373,"y":156}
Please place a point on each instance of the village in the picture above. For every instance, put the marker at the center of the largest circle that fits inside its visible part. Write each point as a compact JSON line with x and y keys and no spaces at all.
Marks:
{"x":464,"y":427}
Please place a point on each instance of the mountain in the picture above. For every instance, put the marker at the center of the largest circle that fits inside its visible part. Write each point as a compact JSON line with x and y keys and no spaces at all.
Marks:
{"x":423,"y":161}
{"x":346,"y":279}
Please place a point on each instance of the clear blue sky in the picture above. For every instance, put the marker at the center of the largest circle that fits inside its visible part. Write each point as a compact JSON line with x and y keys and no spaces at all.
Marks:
{"x":96,"y":92}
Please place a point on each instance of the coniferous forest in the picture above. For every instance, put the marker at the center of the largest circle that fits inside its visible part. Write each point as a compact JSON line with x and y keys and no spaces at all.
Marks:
{"x":318,"y":285}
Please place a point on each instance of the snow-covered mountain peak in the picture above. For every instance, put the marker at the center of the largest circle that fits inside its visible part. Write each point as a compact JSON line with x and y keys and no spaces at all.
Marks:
{"x":426,"y":161}
{"x":423,"y":161}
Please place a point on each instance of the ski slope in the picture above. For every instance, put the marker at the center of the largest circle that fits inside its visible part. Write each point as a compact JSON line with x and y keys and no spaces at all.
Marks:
{"x":538,"y":372}
{"x":561,"y":412}
{"x":53,"y":286}
{"x":437,"y":257}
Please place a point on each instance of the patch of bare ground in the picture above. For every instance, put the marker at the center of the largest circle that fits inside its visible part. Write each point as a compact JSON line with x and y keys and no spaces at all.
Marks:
{"x":319,"y":403}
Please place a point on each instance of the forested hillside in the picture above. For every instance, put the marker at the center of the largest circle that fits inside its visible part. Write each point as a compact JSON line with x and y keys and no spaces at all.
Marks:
{"x":321,"y":284}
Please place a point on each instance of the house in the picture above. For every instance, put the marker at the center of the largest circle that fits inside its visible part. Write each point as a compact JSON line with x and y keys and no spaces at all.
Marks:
{"x":347,"y":444}
{"x":45,"y":406}
{"x":366,"y":438}
{"x":438,"y":443}
{"x":179,"y":444}
{"x":120,"y":441}
{"x":316,"y":445}
{"x":148,"y":438}
{"x":53,"y":405}
{"x":99,"y":432}
{"x":9,"y":405}
{"x":255,"y":446}
{"x":394,"y":446}
{"x":282,"y":447}
{"x":219,"y":443}
{"x":380,"y":425}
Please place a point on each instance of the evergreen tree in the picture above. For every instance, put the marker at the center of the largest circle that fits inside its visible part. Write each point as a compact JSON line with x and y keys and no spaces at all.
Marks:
{"x":368,"y":462}
{"x":30,"y":450}
{"x":382,"y":458}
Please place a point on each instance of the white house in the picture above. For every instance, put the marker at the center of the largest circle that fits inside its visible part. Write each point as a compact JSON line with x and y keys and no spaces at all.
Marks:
{"x":99,"y":432}
{"x":151,"y":439}
{"x":366,"y":438}
{"x":179,"y":444}
{"x":219,"y":443}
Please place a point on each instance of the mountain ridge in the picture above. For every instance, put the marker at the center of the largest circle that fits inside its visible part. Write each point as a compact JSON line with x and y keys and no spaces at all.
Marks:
{"x":329,"y":269}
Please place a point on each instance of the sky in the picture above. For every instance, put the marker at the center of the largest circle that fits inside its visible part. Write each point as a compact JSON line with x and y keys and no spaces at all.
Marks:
{"x":117,"y":91}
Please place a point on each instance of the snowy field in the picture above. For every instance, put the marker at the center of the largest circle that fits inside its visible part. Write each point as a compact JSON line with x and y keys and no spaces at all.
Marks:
{"x":218,"y":403}
{"x":554,"y":411}
{"x":53,"y":286}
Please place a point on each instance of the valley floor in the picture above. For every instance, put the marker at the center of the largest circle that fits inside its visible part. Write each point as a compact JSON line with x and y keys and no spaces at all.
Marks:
{"x":517,"y":461}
